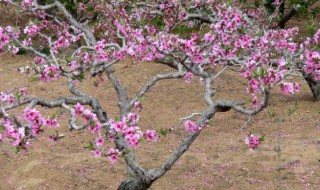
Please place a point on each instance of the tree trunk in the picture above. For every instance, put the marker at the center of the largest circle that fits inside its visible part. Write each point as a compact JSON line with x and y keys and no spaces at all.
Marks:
{"x":314,"y":86}
{"x":134,"y":184}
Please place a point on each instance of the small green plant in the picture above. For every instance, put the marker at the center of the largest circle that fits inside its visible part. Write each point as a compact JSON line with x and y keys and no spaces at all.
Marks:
{"x":311,"y":29}
{"x":163,"y":132}
{"x":21,"y":51}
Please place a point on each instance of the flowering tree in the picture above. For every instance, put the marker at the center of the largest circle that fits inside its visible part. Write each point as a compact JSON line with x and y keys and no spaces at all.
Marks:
{"x":275,"y":10}
{"x":221,"y":37}
{"x":301,"y":7}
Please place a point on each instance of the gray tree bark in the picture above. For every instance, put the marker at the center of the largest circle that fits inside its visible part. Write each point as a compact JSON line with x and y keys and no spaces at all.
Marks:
{"x":314,"y":86}
{"x":134,"y":184}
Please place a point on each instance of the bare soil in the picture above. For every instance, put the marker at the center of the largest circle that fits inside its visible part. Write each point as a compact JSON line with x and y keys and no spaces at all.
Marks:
{"x":218,"y":159}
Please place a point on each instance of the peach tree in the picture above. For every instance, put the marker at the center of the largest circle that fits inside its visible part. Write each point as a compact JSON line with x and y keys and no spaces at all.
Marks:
{"x":202,"y":38}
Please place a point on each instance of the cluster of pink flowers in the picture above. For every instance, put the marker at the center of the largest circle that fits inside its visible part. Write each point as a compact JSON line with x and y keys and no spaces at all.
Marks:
{"x":128,"y":128}
{"x":51,"y":122}
{"x":289,"y":88}
{"x":39,"y":60}
{"x":15,"y":135}
{"x":31,"y":29}
{"x":4,"y":39}
{"x":27,"y":42}
{"x":18,"y":134}
{"x":27,"y":3}
{"x":138,"y":105}
{"x":13,"y":97}
{"x":88,"y":117}
{"x":188,"y":76}
{"x":191,"y":127}
{"x":151,"y":135}
{"x":7,"y":98}
{"x":96,"y":152}
{"x":253,"y":141}
{"x":62,"y":42}
{"x":34,"y":119}
{"x":113,"y":155}
{"x":47,"y":73}
{"x":313,"y":64}
{"x":101,"y":54}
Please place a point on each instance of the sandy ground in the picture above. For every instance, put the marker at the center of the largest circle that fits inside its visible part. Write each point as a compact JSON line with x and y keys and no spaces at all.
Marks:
{"x":218,"y":159}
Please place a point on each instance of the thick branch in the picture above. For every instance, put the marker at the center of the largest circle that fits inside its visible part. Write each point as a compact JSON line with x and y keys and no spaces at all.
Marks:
{"x":287,"y":17}
{"x":223,"y":105}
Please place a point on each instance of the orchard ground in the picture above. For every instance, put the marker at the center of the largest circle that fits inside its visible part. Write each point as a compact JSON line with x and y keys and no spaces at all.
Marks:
{"x":218,"y":159}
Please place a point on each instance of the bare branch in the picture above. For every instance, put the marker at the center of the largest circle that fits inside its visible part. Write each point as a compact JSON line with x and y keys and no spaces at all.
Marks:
{"x":152,"y":82}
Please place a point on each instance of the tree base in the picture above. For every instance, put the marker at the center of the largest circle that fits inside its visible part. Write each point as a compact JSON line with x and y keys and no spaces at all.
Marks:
{"x":134,"y":185}
{"x":314,"y":86}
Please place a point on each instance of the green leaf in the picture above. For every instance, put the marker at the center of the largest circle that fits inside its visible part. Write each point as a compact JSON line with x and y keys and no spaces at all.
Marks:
{"x":52,"y":116}
{"x":79,"y":77}
{"x":271,"y":113}
{"x":141,"y":99}
{"x":17,"y":95}
{"x":46,"y":50}
{"x":92,"y":123}
{"x":68,"y":60}
{"x":34,"y":78}
{"x":18,"y":148}
{"x":90,"y":146}
{"x":122,"y":155}
{"x":22,"y":51}
{"x":2,"y":127}
{"x":163,"y":132}
{"x":262,"y":138}
{"x":255,"y":74}
{"x":211,"y":121}
{"x":61,"y":137}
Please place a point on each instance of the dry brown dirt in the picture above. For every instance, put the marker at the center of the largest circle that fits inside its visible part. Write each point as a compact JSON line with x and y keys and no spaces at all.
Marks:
{"x":218,"y":159}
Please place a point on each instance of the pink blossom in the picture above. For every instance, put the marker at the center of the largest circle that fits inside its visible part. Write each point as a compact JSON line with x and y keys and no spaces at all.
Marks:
{"x":23,"y":91}
{"x":99,"y":141}
{"x":188,"y":76}
{"x":138,"y":105}
{"x":78,"y":109}
{"x":31,"y":29}
{"x":39,"y":60}
{"x":162,"y":6}
{"x":48,"y":73}
{"x":133,"y":118}
{"x":118,"y":126}
{"x":190,"y":126}
{"x":51,"y":123}
{"x":15,"y":50}
{"x":288,"y":88}
{"x":96,"y":128}
{"x":113,"y":155}
{"x":96,"y":153}
{"x":151,"y":135}
{"x":133,"y":140}
{"x":255,"y":102}
{"x":252,"y":141}
{"x":296,"y":87}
